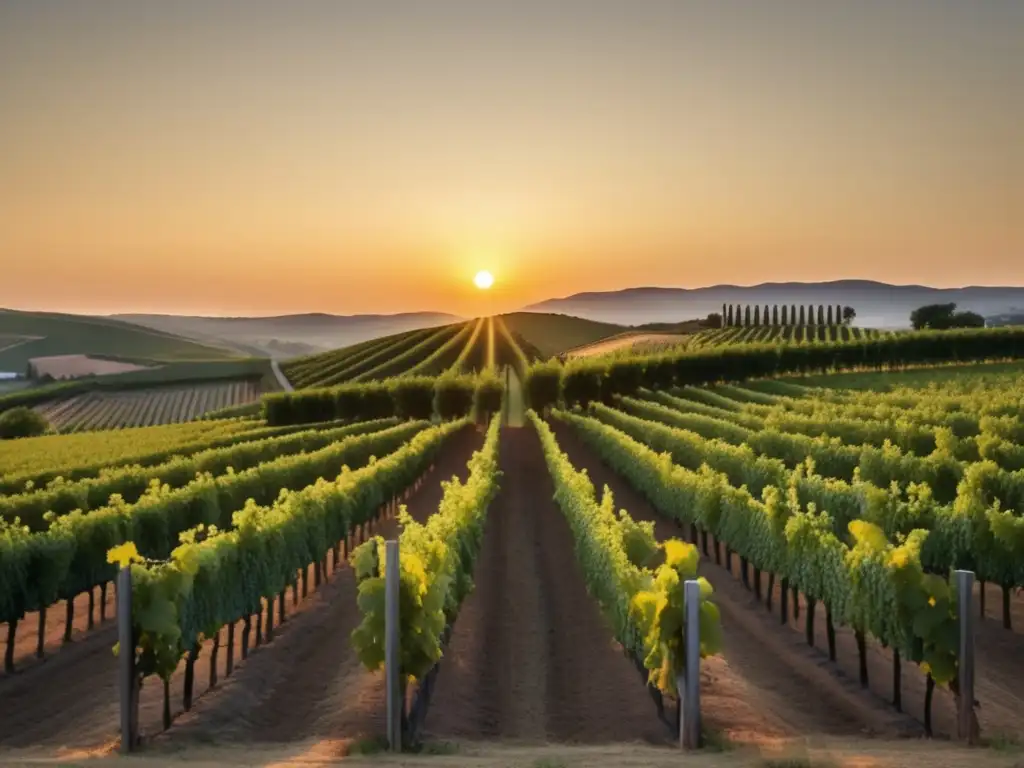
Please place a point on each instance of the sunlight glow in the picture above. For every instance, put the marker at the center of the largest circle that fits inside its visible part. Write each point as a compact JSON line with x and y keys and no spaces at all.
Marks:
{"x":483,"y":280}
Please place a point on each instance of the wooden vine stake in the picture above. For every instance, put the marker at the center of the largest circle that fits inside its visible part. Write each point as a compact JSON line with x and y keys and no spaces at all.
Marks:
{"x":392,"y":651}
{"x":965,"y":701}
{"x":127,"y":693}
{"x":688,"y":685}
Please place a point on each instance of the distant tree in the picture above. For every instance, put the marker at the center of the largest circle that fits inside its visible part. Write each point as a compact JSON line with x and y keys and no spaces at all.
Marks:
{"x":792,"y":314}
{"x":775,"y":314}
{"x":849,"y":313}
{"x":746,"y":315}
{"x":821,"y":314}
{"x":785,"y":314}
{"x":757,"y":314}
{"x":22,"y":422}
{"x":728,"y":315}
{"x":723,"y":312}
{"x":803,"y":315}
{"x":968,"y":320}
{"x":714,"y":320}
{"x":810,"y":314}
{"x":936,"y":316}
{"x":739,"y":315}
{"x":828,"y":316}
{"x":839,"y":314}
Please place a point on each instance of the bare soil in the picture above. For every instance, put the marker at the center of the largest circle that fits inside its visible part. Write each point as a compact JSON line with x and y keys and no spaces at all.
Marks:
{"x":71,"y":366}
{"x":765,"y":670}
{"x":69,"y":701}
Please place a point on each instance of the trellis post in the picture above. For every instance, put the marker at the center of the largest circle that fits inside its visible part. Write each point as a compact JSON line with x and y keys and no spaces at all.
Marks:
{"x":392,"y":649}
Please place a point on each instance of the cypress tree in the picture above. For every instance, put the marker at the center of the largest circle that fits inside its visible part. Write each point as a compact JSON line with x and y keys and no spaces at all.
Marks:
{"x":775,"y":314}
{"x":821,"y":314}
{"x":785,"y":314}
{"x":723,"y":314}
{"x":839,"y":315}
{"x":746,"y":315}
{"x":739,"y":315}
{"x":792,"y":314}
{"x":803,"y":315}
{"x":829,"y":315}
{"x":727,"y":316}
{"x":757,"y":314}
{"x":765,"y":315}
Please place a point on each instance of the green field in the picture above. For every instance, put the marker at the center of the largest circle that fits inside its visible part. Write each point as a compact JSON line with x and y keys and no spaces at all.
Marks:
{"x":59,"y":334}
{"x":552,"y":334}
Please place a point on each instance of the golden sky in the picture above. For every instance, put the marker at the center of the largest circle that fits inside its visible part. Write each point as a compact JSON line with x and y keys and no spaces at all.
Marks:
{"x":260,"y":158}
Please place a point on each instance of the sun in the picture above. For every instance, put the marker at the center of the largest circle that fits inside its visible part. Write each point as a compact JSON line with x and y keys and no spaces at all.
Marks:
{"x":483,"y":280}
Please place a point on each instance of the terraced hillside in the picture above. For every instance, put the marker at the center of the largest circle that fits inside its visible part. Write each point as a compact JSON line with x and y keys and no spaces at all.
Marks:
{"x":474,"y":345}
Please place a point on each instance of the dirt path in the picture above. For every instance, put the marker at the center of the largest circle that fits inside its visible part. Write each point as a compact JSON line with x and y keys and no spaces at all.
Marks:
{"x":767,"y":678}
{"x":531,"y":658}
{"x":70,"y":700}
{"x":625,"y":341}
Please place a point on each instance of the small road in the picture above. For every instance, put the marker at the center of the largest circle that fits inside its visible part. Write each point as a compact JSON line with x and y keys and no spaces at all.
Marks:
{"x":281,"y":378}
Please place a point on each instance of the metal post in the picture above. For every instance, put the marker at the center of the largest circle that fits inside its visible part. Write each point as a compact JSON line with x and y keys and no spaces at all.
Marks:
{"x":125,"y":659}
{"x":689,"y":726}
{"x":965,"y":716}
{"x":391,"y":647}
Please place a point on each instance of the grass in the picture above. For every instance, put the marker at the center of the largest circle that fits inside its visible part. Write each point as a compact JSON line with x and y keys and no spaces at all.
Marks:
{"x":60,"y":334}
{"x":554,"y":334}
{"x":917,"y":378}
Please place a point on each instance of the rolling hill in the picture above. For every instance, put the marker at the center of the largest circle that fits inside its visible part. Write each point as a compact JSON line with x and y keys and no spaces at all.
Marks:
{"x":26,"y":335}
{"x":552,"y":334}
{"x":878,"y":305}
{"x":289,"y":336}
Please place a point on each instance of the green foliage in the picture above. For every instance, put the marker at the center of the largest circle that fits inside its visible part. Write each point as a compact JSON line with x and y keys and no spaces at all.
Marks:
{"x":436,"y":562}
{"x":542,"y":384}
{"x":69,"y":557}
{"x":22,"y":422}
{"x":489,"y":394}
{"x":944,"y":317}
{"x":454,"y":395}
{"x":581,"y":382}
{"x":216,"y":576}
{"x":642,"y":601}
{"x":413,"y":397}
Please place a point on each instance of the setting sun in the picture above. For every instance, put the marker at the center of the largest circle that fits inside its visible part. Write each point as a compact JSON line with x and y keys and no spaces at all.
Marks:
{"x":483,"y":280}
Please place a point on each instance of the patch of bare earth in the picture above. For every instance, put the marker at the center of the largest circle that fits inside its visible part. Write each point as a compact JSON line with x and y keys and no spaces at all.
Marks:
{"x":304,"y":683}
{"x":72,"y":366}
{"x":767,"y":682}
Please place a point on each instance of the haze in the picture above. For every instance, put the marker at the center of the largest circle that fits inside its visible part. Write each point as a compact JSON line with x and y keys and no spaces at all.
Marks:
{"x":263,"y":158}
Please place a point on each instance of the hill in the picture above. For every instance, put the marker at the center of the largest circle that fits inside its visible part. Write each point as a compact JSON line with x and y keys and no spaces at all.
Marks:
{"x":25,"y":335}
{"x":288,"y":336}
{"x":552,"y":334}
{"x":878,"y":305}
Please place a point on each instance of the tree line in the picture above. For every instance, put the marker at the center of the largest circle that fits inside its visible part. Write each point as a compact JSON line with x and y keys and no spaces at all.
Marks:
{"x":743,"y":315}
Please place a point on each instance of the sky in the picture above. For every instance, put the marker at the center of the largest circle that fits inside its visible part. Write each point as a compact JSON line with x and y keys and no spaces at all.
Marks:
{"x":248,"y":157}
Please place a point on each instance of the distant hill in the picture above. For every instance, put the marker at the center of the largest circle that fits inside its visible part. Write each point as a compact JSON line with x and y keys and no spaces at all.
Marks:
{"x":287,"y":336}
{"x":878,"y":305}
{"x":26,"y":335}
{"x":553,"y":334}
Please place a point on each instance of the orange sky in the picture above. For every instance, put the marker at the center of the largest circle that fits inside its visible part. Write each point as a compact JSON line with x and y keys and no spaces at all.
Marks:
{"x":260,"y":158}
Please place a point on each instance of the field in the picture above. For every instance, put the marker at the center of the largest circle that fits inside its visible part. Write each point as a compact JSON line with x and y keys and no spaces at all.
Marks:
{"x":475,"y":345}
{"x":553,"y":335}
{"x":147,"y":407}
{"x":824,"y":511}
{"x":783,"y":333}
{"x":46,"y":334}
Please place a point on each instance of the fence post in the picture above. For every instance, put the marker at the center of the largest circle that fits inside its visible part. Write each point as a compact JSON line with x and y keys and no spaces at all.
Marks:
{"x":392,"y":651}
{"x":965,"y":715}
{"x":689,"y":712}
{"x":126,"y":660}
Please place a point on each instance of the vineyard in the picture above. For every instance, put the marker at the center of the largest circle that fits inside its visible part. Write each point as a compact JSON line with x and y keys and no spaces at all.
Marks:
{"x":545,"y":519}
{"x":147,"y":407}
{"x":788,"y":334}
{"x":476,"y":345}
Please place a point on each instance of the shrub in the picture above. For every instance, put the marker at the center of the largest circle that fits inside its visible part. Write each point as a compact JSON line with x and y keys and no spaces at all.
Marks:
{"x":489,"y":394}
{"x":413,"y":397}
{"x":542,"y":385}
{"x":625,"y":377}
{"x":453,"y":396}
{"x":581,"y":383}
{"x":22,"y":422}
